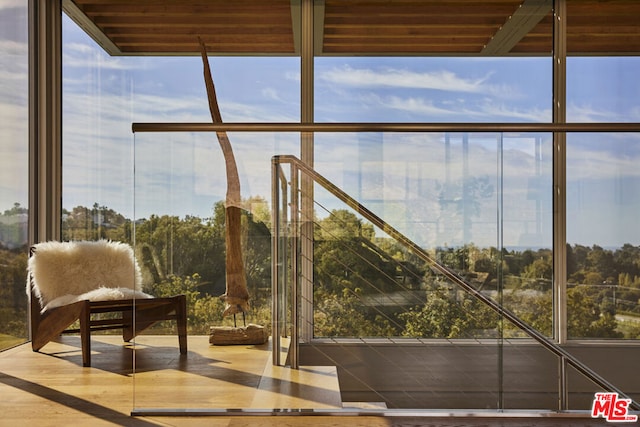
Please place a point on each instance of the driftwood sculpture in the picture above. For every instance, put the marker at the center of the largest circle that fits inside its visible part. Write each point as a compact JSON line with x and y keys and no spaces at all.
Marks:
{"x":236,"y":296}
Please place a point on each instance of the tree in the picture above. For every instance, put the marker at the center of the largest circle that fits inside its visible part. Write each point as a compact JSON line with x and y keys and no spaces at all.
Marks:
{"x":17,"y":209}
{"x":98,"y":222}
{"x":342,"y":224}
{"x":541,"y":268}
{"x":13,"y":299}
{"x":584,"y":316}
{"x":256,"y":243}
{"x":345,"y":256}
{"x":627,"y":260}
{"x":341,"y":315}
{"x":601,"y":261}
{"x":535,"y":308}
{"x":353,"y":270}
{"x":448,"y":315}
{"x":168,"y":245}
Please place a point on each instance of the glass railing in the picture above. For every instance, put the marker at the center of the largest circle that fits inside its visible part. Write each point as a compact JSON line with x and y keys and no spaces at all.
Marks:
{"x":422,"y":328}
{"x":416,"y":262}
{"x":179,"y":239}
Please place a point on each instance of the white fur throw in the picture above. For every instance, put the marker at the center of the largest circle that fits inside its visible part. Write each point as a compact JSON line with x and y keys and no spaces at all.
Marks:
{"x":66,"y":272}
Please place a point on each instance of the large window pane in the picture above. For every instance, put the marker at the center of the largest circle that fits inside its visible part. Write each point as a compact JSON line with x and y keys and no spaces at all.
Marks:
{"x":14,"y":149}
{"x":104,"y":95}
{"x":603,"y":245}
{"x":97,"y":153}
{"x":603,"y":89}
{"x":603,"y":201}
{"x":480,"y":203}
{"x":433,"y":89}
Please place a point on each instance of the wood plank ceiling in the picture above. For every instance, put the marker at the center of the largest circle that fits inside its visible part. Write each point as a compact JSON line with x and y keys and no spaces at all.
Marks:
{"x":358,"y":27}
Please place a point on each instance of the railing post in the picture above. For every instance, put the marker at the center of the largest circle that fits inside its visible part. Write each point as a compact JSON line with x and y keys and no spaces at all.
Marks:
{"x":563,"y":391}
{"x":275,"y":262}
{"x":295,"y":262}
{"x":307,"y":155}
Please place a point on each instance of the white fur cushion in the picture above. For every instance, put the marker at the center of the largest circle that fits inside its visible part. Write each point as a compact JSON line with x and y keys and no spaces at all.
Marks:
{"x":66,"y":272}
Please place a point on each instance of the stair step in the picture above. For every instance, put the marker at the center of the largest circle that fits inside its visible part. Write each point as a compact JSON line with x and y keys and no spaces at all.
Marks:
{"x":364,"y":405}
{"x":310,"y":387}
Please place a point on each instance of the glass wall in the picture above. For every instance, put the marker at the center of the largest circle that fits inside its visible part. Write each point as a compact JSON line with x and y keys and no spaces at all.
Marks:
{"x":480,"y":203}
{"x":14,"y":171}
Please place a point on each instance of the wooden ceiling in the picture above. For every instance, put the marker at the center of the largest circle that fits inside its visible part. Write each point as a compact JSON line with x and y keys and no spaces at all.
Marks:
{"x":358,"y":27}
{"x":160,"y":27}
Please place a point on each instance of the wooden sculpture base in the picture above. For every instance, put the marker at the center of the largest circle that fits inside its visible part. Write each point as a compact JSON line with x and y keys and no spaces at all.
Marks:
{"x":229,"y":335}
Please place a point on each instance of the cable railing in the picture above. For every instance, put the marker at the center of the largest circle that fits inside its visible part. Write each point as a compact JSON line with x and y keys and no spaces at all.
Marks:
{"x":286,"y":295}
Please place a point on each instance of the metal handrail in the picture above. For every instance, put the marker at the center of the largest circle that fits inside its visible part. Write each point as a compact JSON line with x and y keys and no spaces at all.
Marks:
{"x":566,"y":358}
{"x":384,"y":127}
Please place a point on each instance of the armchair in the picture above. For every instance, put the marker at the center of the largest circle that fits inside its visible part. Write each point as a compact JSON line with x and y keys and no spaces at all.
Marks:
{"x":74,"y":281}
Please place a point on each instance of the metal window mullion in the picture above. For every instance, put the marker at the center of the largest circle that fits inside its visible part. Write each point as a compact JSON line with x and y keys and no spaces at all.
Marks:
{"x":45,"y":120}
{"x":559,"y":194}
{"x":559,"y":172}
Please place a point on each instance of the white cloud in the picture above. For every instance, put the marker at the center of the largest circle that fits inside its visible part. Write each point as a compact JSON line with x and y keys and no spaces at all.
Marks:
{"x":271,"y":94}
{"x":502,"y":111}
{"x":11,"y":47}
{"x":83,"y":55}
{"x":442,"y":80}
{"x":432,"y":96}
{"x":292,"y":75}
{"x":458,"y":109}
{"x":603,"y":164}
{"x":418,"y":106}
{"x":13,"y":67}
{"x":588,"y":114}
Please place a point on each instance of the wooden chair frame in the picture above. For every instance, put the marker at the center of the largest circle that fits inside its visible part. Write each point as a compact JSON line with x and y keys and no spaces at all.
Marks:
{"x":136,"y":315}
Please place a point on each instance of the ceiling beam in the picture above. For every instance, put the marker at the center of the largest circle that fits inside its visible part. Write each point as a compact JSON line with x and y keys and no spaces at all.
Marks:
{"x":518,"y":25}
{"x":84,"y":22}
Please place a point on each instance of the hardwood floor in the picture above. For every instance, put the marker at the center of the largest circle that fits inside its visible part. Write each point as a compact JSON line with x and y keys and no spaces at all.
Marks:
{"x":53,"y":389}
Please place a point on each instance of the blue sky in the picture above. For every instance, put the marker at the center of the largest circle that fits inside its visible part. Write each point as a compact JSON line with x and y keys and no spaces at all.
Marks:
{"x":183,"y":174}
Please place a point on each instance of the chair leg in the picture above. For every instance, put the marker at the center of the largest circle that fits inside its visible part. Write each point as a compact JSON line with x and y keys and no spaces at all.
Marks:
{"x":127,"y":330}
{"x":85,"y":334}
{"x":49,"y":326}
{"x":181,"y":321}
